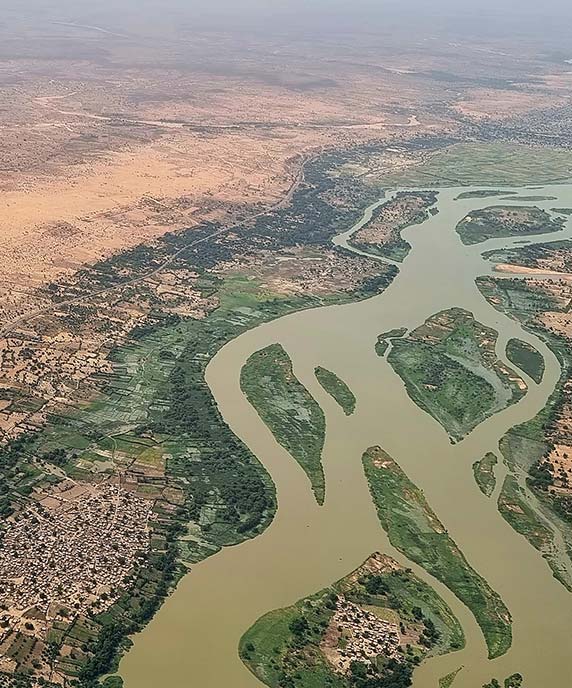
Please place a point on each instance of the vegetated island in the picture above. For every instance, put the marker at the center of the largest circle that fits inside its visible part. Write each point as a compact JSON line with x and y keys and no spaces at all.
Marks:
{"x":506,"y":221}
{"x":537,"y":496}
{"x":293,"y":415}
{"x":414,"y":529}
{"x":336,"y":388}
{"x":484,"y":472}
{"x":529,"y":199}
{"x":370,"y":629}
{"x":526,"y":357}
{"x":448,"y":680}
{"x":381,"y":236}
{"x":451,"y":371}
{"x":482,"y":193}
{"x":513,"y":681}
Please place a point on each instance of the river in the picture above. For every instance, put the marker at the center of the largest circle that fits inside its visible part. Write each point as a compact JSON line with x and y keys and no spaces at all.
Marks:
{"x":192,"y":642}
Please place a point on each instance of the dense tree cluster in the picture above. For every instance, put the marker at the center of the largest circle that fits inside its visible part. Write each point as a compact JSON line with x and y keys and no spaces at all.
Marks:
{"x":226,"y":467}
{"x":393,"y":675}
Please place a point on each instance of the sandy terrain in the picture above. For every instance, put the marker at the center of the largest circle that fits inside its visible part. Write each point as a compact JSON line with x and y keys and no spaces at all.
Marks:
{"x":522,"y":270}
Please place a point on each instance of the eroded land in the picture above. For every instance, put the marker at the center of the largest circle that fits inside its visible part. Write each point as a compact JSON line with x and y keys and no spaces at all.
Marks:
{"x":414,"y":529}
{"x":163,"y":191}
{"x":450,"y":369}
{"x":369,"y":629}
{"x":288,"y":409}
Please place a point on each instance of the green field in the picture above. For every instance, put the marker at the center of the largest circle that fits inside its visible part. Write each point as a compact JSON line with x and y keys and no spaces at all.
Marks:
{"x":288,"y":409}
{"x":494,"y":164}
{"x":414,"y":529}
{"x":506,"y":221}
{"x":484,"y":472}
{"x":285,"y":647}
{"x":450,"y":375}
{"x":337,"y":388}
{"x":527,"y":358}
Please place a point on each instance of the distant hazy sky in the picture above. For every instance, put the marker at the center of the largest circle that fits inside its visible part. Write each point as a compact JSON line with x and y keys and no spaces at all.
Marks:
{"x":470,"y":15}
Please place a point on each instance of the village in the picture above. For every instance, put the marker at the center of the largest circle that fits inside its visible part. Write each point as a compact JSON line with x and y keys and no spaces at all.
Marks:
{"x":69,"y":553}
{"x":364,"y":635}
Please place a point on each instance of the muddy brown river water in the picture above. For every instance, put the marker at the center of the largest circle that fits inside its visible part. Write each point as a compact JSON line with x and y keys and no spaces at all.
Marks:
{"x":192,"y":642}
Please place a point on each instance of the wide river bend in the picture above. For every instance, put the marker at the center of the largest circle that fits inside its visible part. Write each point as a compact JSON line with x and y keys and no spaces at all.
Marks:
{"x":192,"y":642}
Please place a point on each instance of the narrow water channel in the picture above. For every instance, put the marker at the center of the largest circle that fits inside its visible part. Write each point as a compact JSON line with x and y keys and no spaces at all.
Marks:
{"x":193,"y":640}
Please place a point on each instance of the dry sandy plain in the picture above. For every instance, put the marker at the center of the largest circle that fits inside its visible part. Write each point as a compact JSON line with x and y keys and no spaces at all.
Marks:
{"x":111,"y":136}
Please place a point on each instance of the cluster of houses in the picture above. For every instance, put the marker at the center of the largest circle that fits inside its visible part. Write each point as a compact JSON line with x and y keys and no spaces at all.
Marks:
{"x":69,"y":554}
{"x":365,"y":635}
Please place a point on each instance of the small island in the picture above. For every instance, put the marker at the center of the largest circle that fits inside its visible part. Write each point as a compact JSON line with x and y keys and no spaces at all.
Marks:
{"x":450,"y":369}
{"x":288,"y":409}
{"x":336,"y":388}
{"x":506,"y":221}
{"x":371,"y":628}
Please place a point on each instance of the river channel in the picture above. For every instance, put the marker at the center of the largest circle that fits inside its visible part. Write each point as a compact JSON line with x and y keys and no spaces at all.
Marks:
{"x":192,"y":642}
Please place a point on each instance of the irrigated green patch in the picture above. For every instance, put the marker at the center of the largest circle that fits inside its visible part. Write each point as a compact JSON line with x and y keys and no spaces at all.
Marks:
{"x":414,"y":529}
{"x":300,"y":646}
{"x":506,"y":221}
{"x":527,"y":358}
{"x":517,"y":297}
{"x":337,"y":388}
{"x":484,"y":472}
{"x":451,"y":371}
{"x":288,"y":409}
{"x":494,"y":164}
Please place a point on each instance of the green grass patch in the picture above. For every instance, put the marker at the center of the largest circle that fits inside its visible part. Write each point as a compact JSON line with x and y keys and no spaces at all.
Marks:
{"x":414,"y":529}
{"x":527,"y":358}
{"x":494,"y":164}
{"x":288,"y":409}
{"x":337,"y":388}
